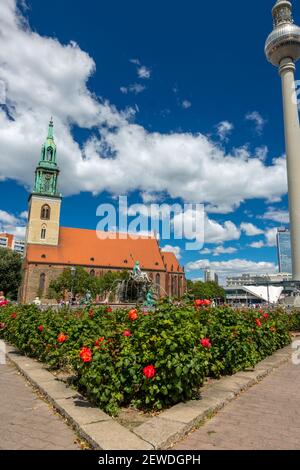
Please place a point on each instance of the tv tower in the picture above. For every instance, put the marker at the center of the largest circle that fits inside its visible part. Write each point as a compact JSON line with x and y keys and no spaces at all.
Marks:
{"x":282,"y":49}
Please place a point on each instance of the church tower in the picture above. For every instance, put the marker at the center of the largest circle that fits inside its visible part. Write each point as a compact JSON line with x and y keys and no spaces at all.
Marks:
{"x":45,"y":201}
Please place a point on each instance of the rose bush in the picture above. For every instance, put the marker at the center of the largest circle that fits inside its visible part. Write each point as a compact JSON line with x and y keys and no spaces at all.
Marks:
{"x":121,"y":357}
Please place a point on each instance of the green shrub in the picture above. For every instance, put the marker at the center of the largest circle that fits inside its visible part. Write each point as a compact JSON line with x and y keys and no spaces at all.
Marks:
{"x":160,"y":362}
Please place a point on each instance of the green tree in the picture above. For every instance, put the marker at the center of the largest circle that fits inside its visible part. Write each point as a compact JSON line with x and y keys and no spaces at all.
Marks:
{"x":10,"y":272}
{"x":205,"y":290}
{"x":80,"y":282}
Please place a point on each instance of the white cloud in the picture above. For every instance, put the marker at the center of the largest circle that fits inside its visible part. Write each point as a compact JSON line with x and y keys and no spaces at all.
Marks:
{"x":271,"y":237}
{"x":206,"y":251}
{"x":214,"y":232}
{"x":277,"y":215}
{"x":224,"y":128}
{"x":24,"y":215}
{"x":172,"y":249}
{"x":6,"y":218}
{"x":186,"y":104}
{"x":251,"y":230}
{"x":44,"y":77}
{"x":258,"y":120}
{"x":222,"y":250}
{"x":135,"y":88}
{"x":259,"y":244}
{"x":12,"y":224}
{"x":135,"y":61}
{"x":233,"y":267}
{"x":144,"y":72}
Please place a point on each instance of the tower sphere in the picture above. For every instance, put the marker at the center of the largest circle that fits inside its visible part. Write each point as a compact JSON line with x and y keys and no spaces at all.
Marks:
{"x":284,"y":41}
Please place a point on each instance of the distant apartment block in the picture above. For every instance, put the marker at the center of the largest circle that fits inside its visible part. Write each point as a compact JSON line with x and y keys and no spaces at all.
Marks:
{"x":211,"y":276}
{"x":10,"y":242}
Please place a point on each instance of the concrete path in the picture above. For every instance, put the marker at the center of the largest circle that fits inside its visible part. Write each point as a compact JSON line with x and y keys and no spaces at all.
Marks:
{"x":26,"y":421}
{"x":267,"y":416}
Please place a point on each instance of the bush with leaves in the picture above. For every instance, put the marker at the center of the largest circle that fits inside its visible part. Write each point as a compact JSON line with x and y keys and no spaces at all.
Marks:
{"x":147,"y":359}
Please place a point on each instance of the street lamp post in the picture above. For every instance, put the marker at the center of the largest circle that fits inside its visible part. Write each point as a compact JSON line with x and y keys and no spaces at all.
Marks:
{"x":73,"y":272}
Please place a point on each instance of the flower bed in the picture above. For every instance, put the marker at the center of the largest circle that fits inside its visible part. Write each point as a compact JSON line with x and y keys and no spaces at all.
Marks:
{"x":149,"y":360}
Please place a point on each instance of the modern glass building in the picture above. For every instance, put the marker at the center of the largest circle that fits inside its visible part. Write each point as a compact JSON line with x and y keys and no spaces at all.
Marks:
{"x":284,"y":250}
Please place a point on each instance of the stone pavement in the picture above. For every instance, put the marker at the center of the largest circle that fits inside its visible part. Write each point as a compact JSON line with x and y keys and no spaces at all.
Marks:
{"x":26,"y":421}
{"x":266,"y":416}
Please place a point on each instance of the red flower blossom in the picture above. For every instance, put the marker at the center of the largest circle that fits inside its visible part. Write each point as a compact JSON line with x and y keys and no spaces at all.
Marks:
{"x":91,"y":313}
{"x":133,"y":315}
{"x":202,"y":303}
{"x":266,"y":316}
{"x":99,"y":341}
{"x":273,"y":329}
{"x":127,"y":333}
{"x":258,"y":322}
{"x":13,"y":315}
{"x":149,"y":371}
{"x":2,"y":326}
{"x":109,"y":310}
{"x":205,"y":342}
{"x":40,"y":328}
{"x":86,"y":354}
{"x":62,"y":338}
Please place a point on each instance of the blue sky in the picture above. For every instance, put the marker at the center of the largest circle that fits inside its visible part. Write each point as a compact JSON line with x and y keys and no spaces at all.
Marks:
{"x":180,"y":93}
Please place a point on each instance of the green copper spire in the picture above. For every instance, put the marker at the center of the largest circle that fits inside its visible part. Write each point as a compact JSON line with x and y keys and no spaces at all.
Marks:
{"x":50,"y":129}
{"x":47,"y":171}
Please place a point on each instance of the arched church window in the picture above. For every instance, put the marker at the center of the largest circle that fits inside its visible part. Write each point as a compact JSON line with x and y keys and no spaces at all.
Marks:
{"x":42,"y":282}
{"x":43,"y":232}
{"x":49,"y":154}
{"x":45,"y":212}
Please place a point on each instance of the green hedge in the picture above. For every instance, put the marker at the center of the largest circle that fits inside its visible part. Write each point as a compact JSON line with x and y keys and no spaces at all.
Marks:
{"x":152,"y":361}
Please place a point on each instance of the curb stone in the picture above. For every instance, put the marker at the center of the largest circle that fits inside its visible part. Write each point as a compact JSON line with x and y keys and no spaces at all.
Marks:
{"x":103,"y":432}
{"x":185,"y":417}
{"x":100,"y":430}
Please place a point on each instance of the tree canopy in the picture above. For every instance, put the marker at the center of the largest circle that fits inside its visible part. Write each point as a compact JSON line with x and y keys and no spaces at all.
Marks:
{"x":10,"y":272}
{"x":205,"y":290}
{"x":81,"y":281}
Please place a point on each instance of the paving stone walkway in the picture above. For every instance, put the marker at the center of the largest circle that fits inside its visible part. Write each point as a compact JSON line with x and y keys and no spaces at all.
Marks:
{"x":267,"y":416}
{"x":26,"y":421}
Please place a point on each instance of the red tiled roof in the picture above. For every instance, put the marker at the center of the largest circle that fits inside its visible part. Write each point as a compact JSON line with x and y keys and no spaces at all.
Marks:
{"x":83,"y":247}
{"x":171,"y":262}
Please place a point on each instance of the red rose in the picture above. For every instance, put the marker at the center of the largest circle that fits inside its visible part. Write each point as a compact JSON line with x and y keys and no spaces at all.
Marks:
{"x":198,"y":303}
{"x":261,"y":312}
{"x":149,"y":372}
{"x":40,"y":328}
{"x":206,"y":302}
{"x":109,"y":309}
{"x":86,"y":354}
{"x":205,"y":342}
{"x":2,"y":326}
{"x":127,"y":333}
{"x":266,"y":315}
{"x":99,"y":341}
{"x":258,"y":322}
{"x":133,"y":315}
{"x":62,"y":338}
{"x":13,"y":315}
